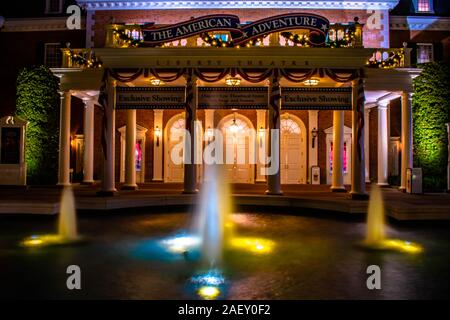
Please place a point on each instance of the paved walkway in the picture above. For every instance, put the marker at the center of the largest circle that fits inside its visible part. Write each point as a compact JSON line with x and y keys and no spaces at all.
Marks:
{"x":400,"y":206}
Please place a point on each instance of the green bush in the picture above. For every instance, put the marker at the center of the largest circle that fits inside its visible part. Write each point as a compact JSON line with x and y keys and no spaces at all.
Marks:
{"x":38,"y":103}
{"x":431,"y":112}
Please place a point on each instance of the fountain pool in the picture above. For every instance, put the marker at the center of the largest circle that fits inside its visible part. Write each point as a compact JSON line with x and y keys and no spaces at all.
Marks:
{"x":306,"y":257}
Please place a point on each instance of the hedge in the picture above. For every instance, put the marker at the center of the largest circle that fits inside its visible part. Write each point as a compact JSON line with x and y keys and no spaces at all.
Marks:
{"x":431,"y":112}
{"x":38,"y":102}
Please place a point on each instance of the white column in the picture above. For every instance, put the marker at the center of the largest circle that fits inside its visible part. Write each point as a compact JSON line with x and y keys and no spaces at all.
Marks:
{"x":366,"y":143}
{"x":383,"y":143}
{"x":130,"y":151}
{"x":274,"y":179}
{"x":190,"y":168}
{"x":109,"y":181}
{"x":261,"y":140}
{"x":88,"y":156}
{"x":157,"y":145}
{"x":313,"y":123}
{"x":64,"y":139}
{"x":337,"y":182}
{"x":358,"y":190}
{"x":407,"y":158}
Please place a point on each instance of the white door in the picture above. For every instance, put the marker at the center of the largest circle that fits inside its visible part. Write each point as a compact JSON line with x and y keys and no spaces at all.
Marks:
{"x":237,"y":157}
{"x":174,"y":172}
{"x":292,"y":153}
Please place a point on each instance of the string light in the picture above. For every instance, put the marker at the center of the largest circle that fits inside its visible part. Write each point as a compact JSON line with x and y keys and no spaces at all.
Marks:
{"x":394,"y":60}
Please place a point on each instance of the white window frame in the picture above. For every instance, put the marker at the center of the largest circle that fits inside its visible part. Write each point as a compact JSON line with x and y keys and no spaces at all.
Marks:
{"x":45,"y":50}
{"x":423,"y":44}
{"x":430,"y":5}
{"x":47,"y":7}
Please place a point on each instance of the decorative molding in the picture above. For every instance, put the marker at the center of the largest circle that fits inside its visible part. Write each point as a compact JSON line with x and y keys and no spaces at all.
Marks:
{"x":420,"y":23}
{"x":237,"y":4}
{"x":38,"y":24}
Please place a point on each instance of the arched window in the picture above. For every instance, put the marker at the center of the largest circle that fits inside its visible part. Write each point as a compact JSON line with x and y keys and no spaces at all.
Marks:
{"x":289,"y":126}
{"x":176,"y":129}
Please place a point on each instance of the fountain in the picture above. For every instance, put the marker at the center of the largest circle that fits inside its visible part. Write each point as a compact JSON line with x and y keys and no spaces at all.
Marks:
{"x":375,"y":232}
{"x":375,"y":227}
{"x":67,"y":225}
{"x":212,"y":223}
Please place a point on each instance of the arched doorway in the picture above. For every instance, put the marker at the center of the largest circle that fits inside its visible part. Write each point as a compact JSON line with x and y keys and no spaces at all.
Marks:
{"x":173,"y":172}
{"x":173,"y":138}
{"x":239,"y":148}
{"x":292,"y":150}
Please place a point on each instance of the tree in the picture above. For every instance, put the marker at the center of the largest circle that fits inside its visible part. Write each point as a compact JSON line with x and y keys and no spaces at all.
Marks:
{"x":431,"y":112}
{"x":38,"y":102}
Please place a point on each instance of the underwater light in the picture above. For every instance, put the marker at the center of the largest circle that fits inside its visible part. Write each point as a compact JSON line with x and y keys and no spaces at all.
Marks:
{"x":44,"y":240}
{"x":257,"y":245}
{"x":401,"y":245}
{"x":208,"y":292}
{"x":181,"y":244}
{"x":211,"y":278}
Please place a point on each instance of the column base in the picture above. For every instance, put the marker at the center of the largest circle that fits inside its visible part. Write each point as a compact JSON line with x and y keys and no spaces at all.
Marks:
{"x":63,"y":184}
{"x":129,"y":187}
{"x":383,"y":185}
{"x":88,"y":182}
{"x":338,"y":189}
{"x":157,"y":180}
{"x":190,"y":191}
{"x":368,"y":181}
{"x":359,"y":196}
{"x":274,"y":193}
{"x":402,"y":189}
{"x":103,"y":193}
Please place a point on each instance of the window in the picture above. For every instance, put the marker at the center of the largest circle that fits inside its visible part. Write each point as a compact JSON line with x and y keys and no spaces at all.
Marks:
{"x":424,"y":52}
{"x":52,"y":55}
{"x":424,"y":6}
{"x":221,"y":36}
{"x":53,"y":6}
{"x":344,"y":158}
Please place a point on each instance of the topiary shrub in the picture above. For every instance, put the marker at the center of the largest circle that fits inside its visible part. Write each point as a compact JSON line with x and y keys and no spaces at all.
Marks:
{"x":38,"y":103}
{"x":431,"y":112}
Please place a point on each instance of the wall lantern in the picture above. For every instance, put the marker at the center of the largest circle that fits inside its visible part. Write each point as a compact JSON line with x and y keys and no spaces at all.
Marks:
{"x":314,"y":133}
{"x":311,"y":82}
{"x":157,"y":135}
{"x":156,"y":82}
{"x":232,"y":81}
{"x":261,"y":136}
{"x":209,"y":133}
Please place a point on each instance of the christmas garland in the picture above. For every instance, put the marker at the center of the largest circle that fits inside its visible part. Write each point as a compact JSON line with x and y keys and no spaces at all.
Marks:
{"x":300,"y":39}
{"x":124,"y":35}
{"x":85,"y":59}
{"x":393,"y":61}
{"x":219,"y":43}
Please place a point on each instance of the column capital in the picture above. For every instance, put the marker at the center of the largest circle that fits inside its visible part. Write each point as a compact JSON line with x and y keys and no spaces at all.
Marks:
{"x":64,"y":93}
{"x":407,"y":95}
{"x":383,"y":104}
{"x":355,"y":82}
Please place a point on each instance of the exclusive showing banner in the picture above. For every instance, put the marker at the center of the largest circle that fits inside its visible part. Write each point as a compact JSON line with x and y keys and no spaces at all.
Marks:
{"x":300,"y":98}
{"x":317,"y":25}
{"x":150,"y":97}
